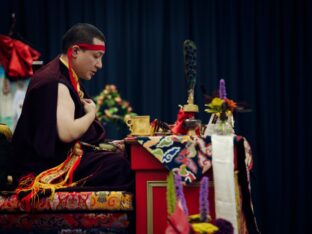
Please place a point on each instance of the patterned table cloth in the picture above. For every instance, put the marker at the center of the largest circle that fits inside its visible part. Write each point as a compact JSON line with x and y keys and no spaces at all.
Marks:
{"x":190,"y":156}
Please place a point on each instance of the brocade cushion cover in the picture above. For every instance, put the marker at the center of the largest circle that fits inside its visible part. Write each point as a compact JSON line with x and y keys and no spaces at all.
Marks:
{"x":58,"y":221}
{"x":73,"y":201}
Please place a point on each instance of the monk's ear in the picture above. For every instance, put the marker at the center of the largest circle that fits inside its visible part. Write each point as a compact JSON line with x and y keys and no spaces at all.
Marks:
{"x":75,"y":51}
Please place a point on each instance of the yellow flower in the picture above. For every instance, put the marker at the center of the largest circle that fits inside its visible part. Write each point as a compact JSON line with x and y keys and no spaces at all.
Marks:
{"x":194,"y":217}
{"x":107,"y":113}
{"x":215,"y":106}
{"x":217,"y":101}
{"x":204,"y":228}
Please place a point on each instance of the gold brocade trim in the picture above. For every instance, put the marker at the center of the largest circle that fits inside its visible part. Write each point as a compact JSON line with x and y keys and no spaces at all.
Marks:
{"x":149,"y":199}
{"x":51,"y":179}
{"x":48,"y":179}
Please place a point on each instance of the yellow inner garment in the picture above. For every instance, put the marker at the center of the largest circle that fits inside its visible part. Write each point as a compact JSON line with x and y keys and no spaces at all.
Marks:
{"x":75,"y":77}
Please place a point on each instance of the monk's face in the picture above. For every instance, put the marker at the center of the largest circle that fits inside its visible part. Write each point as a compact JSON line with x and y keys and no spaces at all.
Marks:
{"x":87,"y":62}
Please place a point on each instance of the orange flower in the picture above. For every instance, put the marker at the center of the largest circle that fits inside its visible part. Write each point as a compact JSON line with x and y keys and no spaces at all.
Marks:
{"x":231,"y":104}
{"x":99,"y":102}
{"x":118,"y":100}
{"x":113,"y":88}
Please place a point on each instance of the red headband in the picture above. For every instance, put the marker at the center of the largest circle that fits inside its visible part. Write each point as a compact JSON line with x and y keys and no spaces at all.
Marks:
{"x":92,"y":47}
{"x":70,"y":54}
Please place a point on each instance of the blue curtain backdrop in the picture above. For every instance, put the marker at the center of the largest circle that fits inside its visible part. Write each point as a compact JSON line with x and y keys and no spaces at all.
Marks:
{"x":262,"y":48}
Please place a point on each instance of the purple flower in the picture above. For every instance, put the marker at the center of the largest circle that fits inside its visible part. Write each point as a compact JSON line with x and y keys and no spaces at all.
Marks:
{"x":222,"y":90}
{"x":225,"y":227}
{"x":203,"y":199}
{"x":179,"y":191}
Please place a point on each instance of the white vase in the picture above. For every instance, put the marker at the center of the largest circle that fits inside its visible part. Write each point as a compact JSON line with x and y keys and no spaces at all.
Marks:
{"x":217,"y":127}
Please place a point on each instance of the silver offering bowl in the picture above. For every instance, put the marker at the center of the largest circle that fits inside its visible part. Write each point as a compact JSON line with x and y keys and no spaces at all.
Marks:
{"x":191,"y":125}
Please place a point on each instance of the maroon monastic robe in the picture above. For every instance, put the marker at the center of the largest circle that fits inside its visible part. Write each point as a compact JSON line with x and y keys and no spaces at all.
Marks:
{"x":37,"y":147}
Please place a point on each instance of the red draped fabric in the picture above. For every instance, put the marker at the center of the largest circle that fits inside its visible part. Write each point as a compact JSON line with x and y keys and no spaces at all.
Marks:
{"x":16,"y":57}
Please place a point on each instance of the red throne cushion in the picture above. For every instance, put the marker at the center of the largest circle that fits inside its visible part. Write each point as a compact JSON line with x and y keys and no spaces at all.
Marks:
{"x":97,"y":211}
{"x":73,"y":201}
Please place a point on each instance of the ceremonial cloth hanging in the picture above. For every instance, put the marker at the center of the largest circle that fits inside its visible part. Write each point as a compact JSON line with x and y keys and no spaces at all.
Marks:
{"x":190,"y":156}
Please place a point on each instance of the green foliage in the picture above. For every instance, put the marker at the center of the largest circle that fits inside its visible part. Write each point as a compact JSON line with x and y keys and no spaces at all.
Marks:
{"x":111,"y":107}
{"x":171,"y":195}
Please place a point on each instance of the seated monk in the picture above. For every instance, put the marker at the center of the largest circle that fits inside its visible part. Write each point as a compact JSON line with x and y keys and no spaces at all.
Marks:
{"x":57,"y":135}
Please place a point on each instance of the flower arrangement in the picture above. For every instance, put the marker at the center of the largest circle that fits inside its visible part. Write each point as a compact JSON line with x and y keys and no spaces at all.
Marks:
{"x":221,"y":106}
{"x":222,"y":109}
{"x":111,"y":107}
{"x":179,"y":220}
